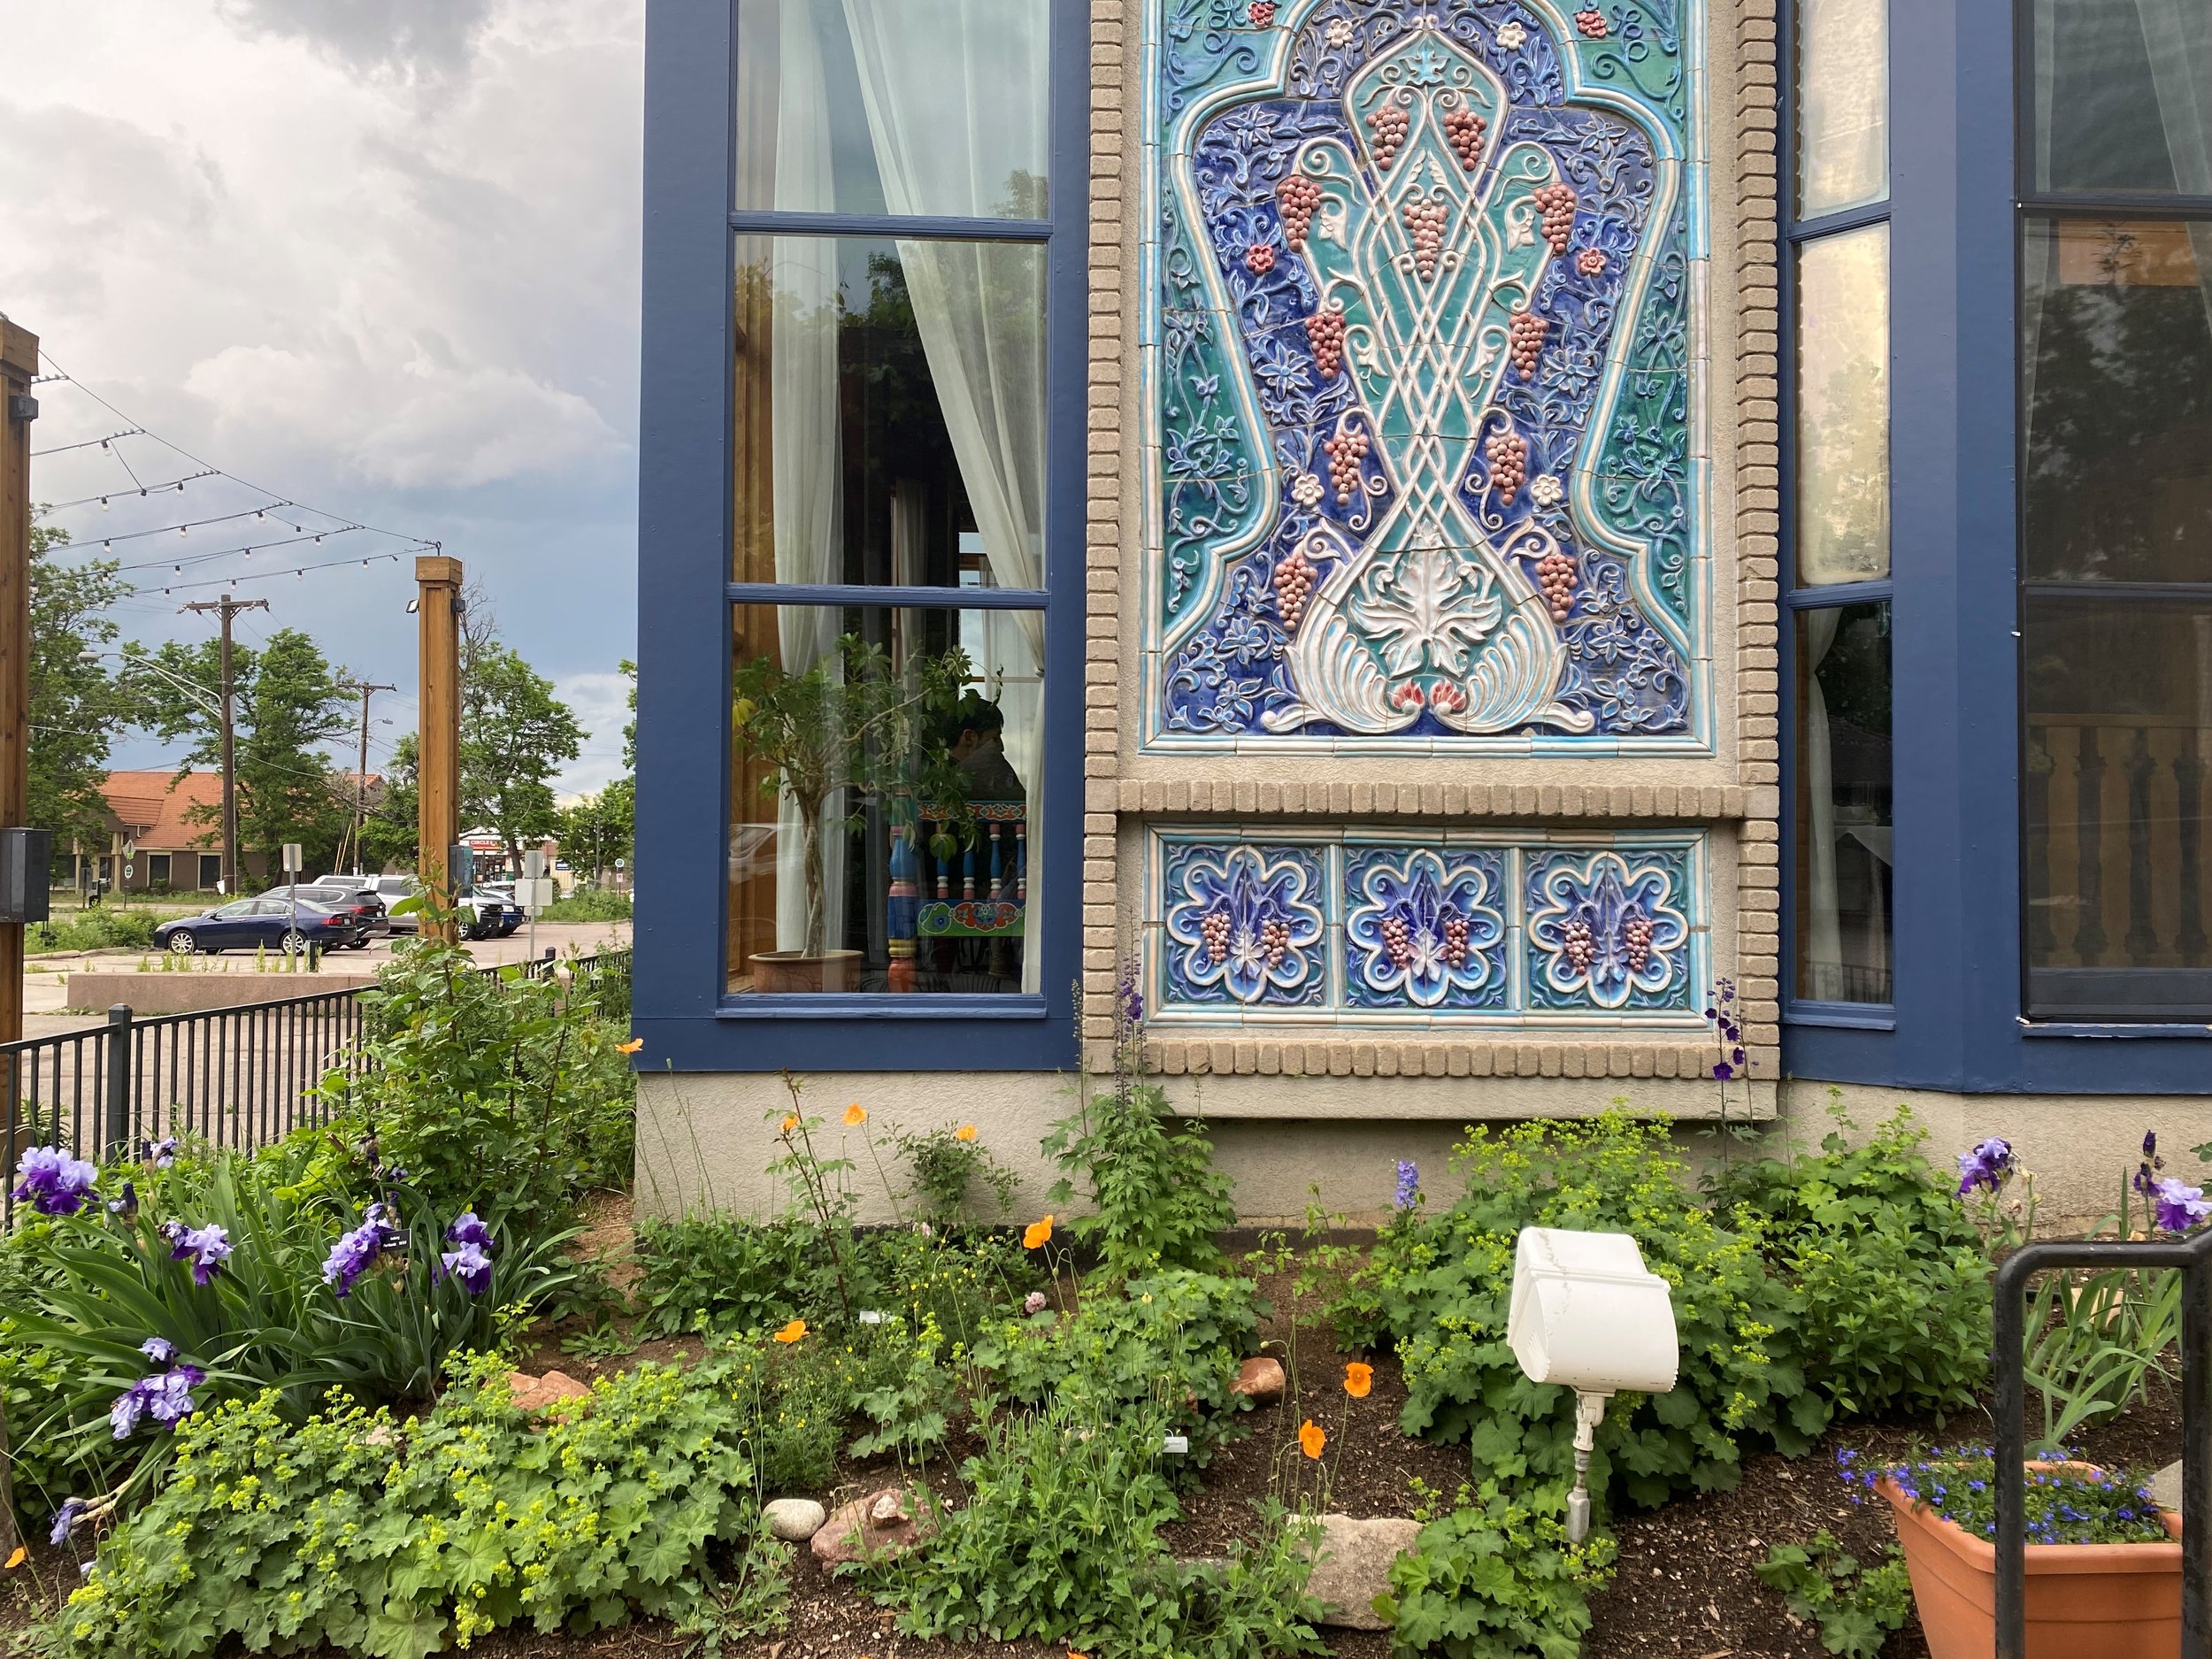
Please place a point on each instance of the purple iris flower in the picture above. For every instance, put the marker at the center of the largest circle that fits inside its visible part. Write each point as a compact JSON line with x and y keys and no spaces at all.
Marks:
{"x":127,"y":1206}
{"x":1987,"y":1166}
{"x":159,"y":1349}
{"x":467,"y":1229}
{"x":356,"y":1251}
{"x":207,"y":1249}
{"x":53,"y":1181}
{"x":66,"y":1521}
{"x":164,"y":1152}
{"x":471,"y":1265}
{"x":123,"y":1416}
{"x":1408,"y":1184}
{"x":2180,"y":1208}
{"x":169,"y":1396}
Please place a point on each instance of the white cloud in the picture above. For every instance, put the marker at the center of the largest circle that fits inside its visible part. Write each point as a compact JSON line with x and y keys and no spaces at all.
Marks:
{"x":602,"y":705}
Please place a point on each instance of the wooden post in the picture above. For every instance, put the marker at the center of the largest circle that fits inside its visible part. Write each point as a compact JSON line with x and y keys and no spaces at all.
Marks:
{"x":438,"y":742}
{"x":18,"y":367}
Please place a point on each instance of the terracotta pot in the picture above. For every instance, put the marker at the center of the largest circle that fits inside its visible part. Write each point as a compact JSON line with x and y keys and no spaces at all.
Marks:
{"x":778,"y":971}
{"x":2085,"y":1601}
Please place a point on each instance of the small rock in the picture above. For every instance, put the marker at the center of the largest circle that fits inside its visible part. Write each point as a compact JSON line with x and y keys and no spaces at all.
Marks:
{"x":1351,"y":1567}
{"x":1259,"y":1380}
{"x":2166,"y":1488}
{"x":535,"y":1393}
{"x":880,"y":1522}
{"x":795,"y":1519}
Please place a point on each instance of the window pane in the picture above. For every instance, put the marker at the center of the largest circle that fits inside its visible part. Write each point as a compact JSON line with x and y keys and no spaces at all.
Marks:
{"x":890,"y":413}
{"x":887,"y":771}
{"x":2119,"y":753}
{"x":1842,"y":415}
{"x":1842,"y":105}
{"x":2117,"y":348}
{"x":894,"y":107}
{"x":1844,"y":839}
{"x":2122,"y":96}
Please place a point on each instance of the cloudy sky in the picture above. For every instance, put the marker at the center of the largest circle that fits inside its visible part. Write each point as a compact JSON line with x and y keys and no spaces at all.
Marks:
{"x":377,"y":256}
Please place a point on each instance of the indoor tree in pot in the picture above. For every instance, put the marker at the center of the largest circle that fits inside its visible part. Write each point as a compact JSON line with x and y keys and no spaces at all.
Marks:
{"x":853,"y":721}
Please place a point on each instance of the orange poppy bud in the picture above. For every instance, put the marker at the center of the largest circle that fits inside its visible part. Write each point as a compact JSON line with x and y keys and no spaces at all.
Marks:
{"x":793,"y":1332}
{"x":1036,"y":1233}
{"x":1358,"y":1380}
{"x":966,"y":1132}
{"x":1310,"y":1438}
{"x":854,"y":1114}
{"x":790,"y":1122}
{"x":631,"y":1047}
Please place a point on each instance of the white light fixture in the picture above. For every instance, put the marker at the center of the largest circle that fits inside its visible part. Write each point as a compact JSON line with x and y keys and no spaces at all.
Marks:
{"x":1589,"y":1316}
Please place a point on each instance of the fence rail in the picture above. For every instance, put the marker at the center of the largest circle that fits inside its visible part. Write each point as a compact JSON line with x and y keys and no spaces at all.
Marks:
{"x":237,"y":1077}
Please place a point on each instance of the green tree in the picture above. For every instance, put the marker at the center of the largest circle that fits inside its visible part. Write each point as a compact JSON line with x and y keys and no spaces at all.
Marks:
{"x":288,"y":702}
{"x":391,"y":835}
{"x":515,"y":736}
{"x":76,"y":704}
{"x":595,"y":829}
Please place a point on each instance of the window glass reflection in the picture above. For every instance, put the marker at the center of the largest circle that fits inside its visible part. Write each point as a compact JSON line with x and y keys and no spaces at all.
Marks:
{"x":926,"y":107}
{"x":887,"y":775}
{"x":1842,"y":105}
{"x":2122,"y":96}
{"x":2119,"y":766}
{"x":891,"y":412}
{"x":1845,"y":841}
{"x":1842,"y":395}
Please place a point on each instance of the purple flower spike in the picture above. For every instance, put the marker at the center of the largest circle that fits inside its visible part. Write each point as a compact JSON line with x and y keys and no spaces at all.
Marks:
{"x":66,"y":1521}
{"x":1409,"y":1193}
{"x":53,"y":1182}
{"x":207,"y":1249}
{"x":2180,"y":1208}
{"x":472,"y":1266}
{"x":467,"y":1229}
{"x":1988,"y":1165}
{"x":159,"y":1349}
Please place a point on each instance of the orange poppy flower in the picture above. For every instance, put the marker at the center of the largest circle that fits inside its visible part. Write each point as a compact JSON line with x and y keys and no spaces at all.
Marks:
{"x":18,"y":1559}
{"x":1358,"y":1380}
{"x":966,"y":1132}
{"x":1036,"y":1233}
{"x":790,"y":1122}
{"x":1311,"y":1438}
{"x":793,"y":1332}
{"x":631,"y":1047}
{"x":856,"y":1114}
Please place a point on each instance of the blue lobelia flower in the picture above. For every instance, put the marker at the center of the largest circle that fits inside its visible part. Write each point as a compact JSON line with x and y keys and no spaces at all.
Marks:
{"x":53,"y":1182}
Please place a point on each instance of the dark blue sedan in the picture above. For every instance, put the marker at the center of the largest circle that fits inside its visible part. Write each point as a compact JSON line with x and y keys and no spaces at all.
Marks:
{"x":272,"y":923}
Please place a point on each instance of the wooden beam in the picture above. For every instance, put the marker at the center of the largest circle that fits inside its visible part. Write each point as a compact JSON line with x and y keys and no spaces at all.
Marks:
{"x":438,"y":740}
{"x":18,"y":367}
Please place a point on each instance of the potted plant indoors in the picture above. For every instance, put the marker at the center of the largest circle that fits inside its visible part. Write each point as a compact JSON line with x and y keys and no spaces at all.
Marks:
{"x":850,"y":721}
{"x":2104,"y":1560}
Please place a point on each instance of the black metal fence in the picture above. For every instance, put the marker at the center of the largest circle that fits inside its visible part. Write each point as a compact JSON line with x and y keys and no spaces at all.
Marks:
{"x":2192,"y":1258}
{"x":240,"y":1077}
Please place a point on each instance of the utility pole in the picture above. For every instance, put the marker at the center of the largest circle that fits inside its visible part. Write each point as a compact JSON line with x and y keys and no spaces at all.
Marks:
{"x":18,"y":368}
{"x":438,"y":744}
{"x":226,"y":608}
{"x":361,"y":777}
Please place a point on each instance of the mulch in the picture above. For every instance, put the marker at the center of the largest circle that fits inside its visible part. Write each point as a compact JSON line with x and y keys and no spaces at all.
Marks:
{"x":1684,"y":1584}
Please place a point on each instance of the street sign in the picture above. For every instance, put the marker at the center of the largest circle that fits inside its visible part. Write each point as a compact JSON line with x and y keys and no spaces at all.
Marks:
{"x":130,"y":873}
{"x":532,"y":864}
{"x":535,"y":892}
{"x":293,"y":862}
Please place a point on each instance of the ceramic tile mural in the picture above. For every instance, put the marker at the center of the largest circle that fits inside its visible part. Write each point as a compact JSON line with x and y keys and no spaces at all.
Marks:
{"x":1499,"y":926}
{"x":1419,"y":362}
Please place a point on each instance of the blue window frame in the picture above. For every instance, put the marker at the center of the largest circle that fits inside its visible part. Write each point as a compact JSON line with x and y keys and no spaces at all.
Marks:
{"x":1962,"y":198}
{"x":698,"y":1005}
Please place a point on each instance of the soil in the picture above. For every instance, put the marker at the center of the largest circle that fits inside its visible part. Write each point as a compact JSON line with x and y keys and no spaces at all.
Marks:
{"x":1684,"y":1584}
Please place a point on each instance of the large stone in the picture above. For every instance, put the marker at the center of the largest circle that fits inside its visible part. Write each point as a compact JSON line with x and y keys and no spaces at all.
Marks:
{"x":883,"y":1522}
{"x":1352,"y":1567}
{"x":795,"y":1519}
{"x":535,"y":1393}
{"x":1259,"y":1380}
{"x":2166,"y":1488}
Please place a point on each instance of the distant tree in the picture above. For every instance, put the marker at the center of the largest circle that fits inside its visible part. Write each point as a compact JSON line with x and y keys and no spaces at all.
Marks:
{"x":76,"y":704}
{"x":516,"y":735}
{"x":595,"y":830}
{"x":390,"y":837}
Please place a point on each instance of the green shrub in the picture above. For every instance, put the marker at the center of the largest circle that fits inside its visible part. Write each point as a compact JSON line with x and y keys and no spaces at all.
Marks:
{"x":1440,"y":1281}
{"x":588,"y":904}
{"x":498,"y":1093}
{"x":1173,"y":1338}
{"x":1060,"y":1541}
{"x":1493,"y":1580}
{"x":1893,"y":1308}
{"x":395,"y":1538}
{"x":712,"y":1273}
{"x":1855,"y":1609}
{"x":947,"y":1163}
{"x":1156,"y":1199}
{"x":92,"y":930}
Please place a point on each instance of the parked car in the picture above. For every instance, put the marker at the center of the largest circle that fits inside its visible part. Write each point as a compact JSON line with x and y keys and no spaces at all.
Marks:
{"x":246,"y":923}
{"x":360,"y":903}
{"x":508,"y":914}
{"x":394,"y":890}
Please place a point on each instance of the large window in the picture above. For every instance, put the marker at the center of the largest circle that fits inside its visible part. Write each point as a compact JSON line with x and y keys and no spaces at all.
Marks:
{"x":2116,"y":565}
{"x":1838,"y":512}
{"x":890,"y":826}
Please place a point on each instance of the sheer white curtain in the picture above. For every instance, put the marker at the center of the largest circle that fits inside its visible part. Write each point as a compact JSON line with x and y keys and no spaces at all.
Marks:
{"x":2178,"y":33}
{"x":1822,"y":945}
{"x":944,"y":86}
{"x":805,"y":460}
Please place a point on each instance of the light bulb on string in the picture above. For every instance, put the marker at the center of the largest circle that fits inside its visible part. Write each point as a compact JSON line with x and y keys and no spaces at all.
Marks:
{"x":104,"y":503}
